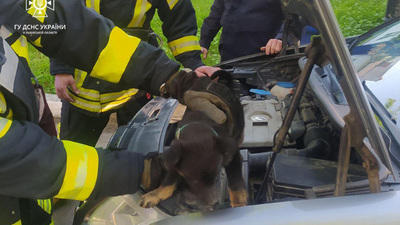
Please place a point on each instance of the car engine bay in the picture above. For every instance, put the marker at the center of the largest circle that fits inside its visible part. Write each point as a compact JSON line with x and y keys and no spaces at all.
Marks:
{"x":306,"y":167}
{"x":331,"y":145}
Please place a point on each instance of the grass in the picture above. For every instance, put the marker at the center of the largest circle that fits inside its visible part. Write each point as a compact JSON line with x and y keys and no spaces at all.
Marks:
{"x":354,"y":17}
{"x":39,"y":64}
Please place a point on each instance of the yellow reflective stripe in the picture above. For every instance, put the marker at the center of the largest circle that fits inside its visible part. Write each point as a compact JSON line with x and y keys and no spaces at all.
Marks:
{"x":17,"y":223}
{"x":172,"y":3}
{"x":185,"y":44}
{"x":97,"y":6}
{"x":106,"y":104}
{"x":48,"y":206}
{"x":3,"y":107}
{"x":10,"y":114}
{"x":113,"y":105}
{"x":118,"y":95}
{"x":79,"y":76}
{"x":58,"y":127}
{"x":45,"y":204}
{"x":115,"y":56}
{"x":3,"y":103}
{"x":94,"y":95}
{"x":20,"y":46}
{"x":88,"y":94}
{"x":86,"y":105}
{"x":81,"y":171}
{"x":93,"y":4}
{"x":5,"y":125}
{"x":139,"y":13}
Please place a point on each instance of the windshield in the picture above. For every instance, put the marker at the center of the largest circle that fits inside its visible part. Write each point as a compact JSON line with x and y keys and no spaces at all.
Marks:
{"x":376,"y":59}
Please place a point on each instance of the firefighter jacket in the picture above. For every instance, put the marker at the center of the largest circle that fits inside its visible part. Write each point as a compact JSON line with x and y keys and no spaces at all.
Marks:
{"x":34,"y":166}
{"x":134,"y":16}
{"x":247,"y":26}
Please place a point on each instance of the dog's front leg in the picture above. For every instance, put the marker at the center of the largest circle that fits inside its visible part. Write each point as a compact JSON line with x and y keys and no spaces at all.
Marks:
{"x":236,"y":186}
{"x":166,"y":189}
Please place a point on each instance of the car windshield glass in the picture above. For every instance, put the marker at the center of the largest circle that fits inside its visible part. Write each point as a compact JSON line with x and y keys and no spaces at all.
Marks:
{"x":376,"y":59}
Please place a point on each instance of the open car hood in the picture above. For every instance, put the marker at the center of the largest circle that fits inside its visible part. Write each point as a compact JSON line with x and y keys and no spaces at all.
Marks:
{"x":150,"y":131}
{"x":319,"y":14}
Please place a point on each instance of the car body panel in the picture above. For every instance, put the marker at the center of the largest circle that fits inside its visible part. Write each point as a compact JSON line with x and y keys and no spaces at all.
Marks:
{"x":148,"y":132}
{"x":361,"y":209}
{"x":145,"y":133}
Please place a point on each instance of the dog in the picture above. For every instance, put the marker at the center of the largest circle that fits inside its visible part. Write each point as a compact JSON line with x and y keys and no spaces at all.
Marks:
{"x":200,"y":149}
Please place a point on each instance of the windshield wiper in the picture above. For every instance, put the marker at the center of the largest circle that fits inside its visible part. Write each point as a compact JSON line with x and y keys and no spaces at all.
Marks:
{"x":375,"y":103}
{"x":388,"y":121}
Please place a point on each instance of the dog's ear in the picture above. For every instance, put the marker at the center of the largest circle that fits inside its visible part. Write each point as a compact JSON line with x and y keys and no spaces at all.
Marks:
{"x":227,"y":146}
{"x":172,"y":155}
{"x":224,"y":78}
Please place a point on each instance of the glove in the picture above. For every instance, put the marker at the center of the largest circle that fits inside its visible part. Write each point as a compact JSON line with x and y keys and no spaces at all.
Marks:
{"x":217,"y":101}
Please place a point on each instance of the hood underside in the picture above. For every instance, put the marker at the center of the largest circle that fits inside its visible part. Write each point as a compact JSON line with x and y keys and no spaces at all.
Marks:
{"x":319,"y":14}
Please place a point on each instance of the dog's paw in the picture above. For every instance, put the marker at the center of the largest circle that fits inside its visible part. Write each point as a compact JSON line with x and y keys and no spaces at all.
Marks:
{"x":238,"y":198}
{"x":149,"y":200}
{"x":238,"y":204}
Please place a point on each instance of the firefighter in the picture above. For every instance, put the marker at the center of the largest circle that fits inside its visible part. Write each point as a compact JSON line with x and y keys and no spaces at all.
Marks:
{"x":248,"y":27}
{"x":89,"y":102}
{"x":35,"y":167}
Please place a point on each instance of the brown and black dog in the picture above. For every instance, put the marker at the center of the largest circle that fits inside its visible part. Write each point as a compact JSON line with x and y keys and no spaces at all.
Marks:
{"x":200,"y":149}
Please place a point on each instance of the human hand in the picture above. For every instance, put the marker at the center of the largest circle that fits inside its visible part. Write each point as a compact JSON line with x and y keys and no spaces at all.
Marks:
{"x":204,"y":51}
{"x":206,"y":71}
{"x":272,"y":47}
{"x":61,"y":84}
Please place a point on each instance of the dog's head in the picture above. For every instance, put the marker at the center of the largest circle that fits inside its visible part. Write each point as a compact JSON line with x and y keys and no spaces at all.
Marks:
{"x":199,"y":161}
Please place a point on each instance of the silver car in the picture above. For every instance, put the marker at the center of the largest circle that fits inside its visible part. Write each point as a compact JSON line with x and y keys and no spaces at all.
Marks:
{"x":322,"y":142}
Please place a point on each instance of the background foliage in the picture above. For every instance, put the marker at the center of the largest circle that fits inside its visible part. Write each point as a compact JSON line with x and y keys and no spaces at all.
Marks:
{"x":354,"y":17}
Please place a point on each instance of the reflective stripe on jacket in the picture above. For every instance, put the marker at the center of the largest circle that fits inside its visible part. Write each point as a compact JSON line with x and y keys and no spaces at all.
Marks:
{"x":92,"y":100}
{"x":179,"y":26}
{"x":178,"y":18}
{"x":35,"y":166}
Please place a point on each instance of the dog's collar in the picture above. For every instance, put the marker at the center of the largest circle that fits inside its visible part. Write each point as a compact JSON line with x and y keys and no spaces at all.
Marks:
{"x":179,"y":130}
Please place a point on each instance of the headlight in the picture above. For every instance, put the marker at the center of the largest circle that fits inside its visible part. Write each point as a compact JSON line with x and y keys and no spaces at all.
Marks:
{"x":124,"y":210}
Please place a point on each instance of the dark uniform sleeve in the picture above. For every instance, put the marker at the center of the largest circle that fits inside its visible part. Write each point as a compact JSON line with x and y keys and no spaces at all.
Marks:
{"x":93,"y":44}
{"x":211,"y":24}
{"x":34,"y":165}
{"x":58,"y":67}
{"x":180,"y":28}
{"x":48,"y":167}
